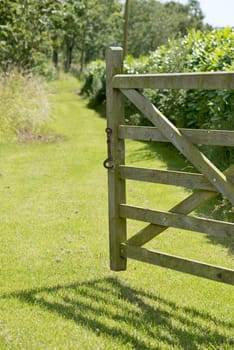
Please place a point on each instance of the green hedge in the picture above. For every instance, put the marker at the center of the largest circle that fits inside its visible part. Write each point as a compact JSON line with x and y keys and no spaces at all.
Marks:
{"x":95,"y":82}
{"x":213,"y":51}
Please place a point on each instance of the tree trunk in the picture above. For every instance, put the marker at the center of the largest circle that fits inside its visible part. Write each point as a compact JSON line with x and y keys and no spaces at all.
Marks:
{"x":126,"y":16}
{"x":82,"y":59}
{"x":82,"y":56}
{"x":68,"y":57}
{"x":55,"y":57}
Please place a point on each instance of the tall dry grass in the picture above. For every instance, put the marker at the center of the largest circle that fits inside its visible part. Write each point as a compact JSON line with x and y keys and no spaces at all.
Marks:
{"x":24,"y":105}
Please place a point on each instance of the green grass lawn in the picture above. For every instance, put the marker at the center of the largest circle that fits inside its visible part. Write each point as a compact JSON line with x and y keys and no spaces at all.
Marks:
{"x":56,"y":289}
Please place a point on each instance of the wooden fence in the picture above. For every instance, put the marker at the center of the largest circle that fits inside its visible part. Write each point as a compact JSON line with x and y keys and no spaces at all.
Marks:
{"x":208,"y":183}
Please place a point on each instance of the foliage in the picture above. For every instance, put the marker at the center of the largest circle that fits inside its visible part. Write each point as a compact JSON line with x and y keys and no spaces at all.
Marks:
{"x":33,"y":31}
{"x":95,"y":82}
{"x":24,"y":37}
{"x":152,"y":23}
{"x":197,"y":51}
{"x":78,"y":31}
{"x":24,"y":106}
{"x":102,"y":27}
{"x":46,"y":70}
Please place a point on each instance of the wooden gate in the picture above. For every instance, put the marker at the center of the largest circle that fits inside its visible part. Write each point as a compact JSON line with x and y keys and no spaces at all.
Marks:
{"x":207,"y":184}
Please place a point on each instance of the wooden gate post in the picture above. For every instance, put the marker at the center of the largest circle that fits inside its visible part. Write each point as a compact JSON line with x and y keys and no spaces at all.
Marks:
{"x":116,"y":185}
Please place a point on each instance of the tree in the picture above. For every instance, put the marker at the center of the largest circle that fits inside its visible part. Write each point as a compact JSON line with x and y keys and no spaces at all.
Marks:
{"x":31,"y":32}
{"x":186,"y":17}
{"x":152,"y":23}
{"x":24,"y":32}
{"x":72,"y":24}
{"x":126,"y":18}
{"x":88,"y":27}
{"x":102,"y":27}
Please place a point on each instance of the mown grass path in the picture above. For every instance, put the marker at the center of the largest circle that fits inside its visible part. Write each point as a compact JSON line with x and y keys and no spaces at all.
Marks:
{"x":56,"y":290}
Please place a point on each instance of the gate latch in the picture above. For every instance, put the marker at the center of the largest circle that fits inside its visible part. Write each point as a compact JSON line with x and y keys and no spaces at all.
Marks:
{"x":108,"y":163}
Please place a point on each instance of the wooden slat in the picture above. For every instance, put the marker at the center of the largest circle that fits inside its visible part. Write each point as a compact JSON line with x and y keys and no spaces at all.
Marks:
{"x":185,"y":207}
{"x":116,"y":186}
{"x":197,"y":80}
{"x":193,"y":267}
{"x":198,"y":159}
{"x":168,"y":177}
{"x":163,"y":218}
{"x":189,"y":204}
{"x":196,"y":136}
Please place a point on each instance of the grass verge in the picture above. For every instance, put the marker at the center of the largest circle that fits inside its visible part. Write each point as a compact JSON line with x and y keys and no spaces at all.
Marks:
{"x":24,"y":107}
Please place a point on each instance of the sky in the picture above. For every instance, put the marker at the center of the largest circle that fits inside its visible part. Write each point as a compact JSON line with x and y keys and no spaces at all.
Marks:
{"x":218,"y":13}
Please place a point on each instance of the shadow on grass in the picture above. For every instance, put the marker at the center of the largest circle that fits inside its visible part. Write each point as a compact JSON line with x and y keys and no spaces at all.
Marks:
{"x":99,"y":108}
{"x":214,"y":210}
{"x":112,"y":309}
{"x":168,"y":154}
{"x":162,"y":151}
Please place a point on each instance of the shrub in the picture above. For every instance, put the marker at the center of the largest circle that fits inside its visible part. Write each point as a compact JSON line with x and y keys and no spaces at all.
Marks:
{"x":213,"y":51}
{"x":46,"y":70}
{"x":95,"y":82}
{"x":24,"y":106}
{"x":210,"y":109}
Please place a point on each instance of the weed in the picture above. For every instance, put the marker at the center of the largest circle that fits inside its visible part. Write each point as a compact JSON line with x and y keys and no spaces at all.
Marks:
{"x":24,"y":106}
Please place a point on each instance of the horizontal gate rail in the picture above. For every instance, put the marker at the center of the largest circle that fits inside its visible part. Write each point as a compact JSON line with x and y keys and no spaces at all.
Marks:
{"x":173,"y":262}
{"x":185,"y":207}
{"x":196,"y":136}
{"x":170,"y":177}
{"x":204,"y":80}
{"x":212,"y":227}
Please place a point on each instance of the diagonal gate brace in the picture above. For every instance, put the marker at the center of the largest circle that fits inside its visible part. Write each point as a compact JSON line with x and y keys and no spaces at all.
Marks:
{"x":197,"y":158}
{"x":189,"y":204}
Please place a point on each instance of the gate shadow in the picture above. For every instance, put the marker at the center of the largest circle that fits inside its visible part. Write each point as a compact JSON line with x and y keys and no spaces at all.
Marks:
{"x":130,"y":316}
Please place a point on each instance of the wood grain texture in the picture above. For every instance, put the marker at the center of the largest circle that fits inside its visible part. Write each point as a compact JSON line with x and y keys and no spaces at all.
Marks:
{"x":197,"y":268}
{"x":185,"y":207}
{"x":116,"y":186}
{"x":196,"y":136}
{"x":197,"y":80}
{"x":168,"y":177}
{"x":212,"y":227}
{"x":188,"y":205}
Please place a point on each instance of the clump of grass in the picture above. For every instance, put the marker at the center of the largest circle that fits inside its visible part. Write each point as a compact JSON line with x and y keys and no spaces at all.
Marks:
{"x":24,"y":105}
